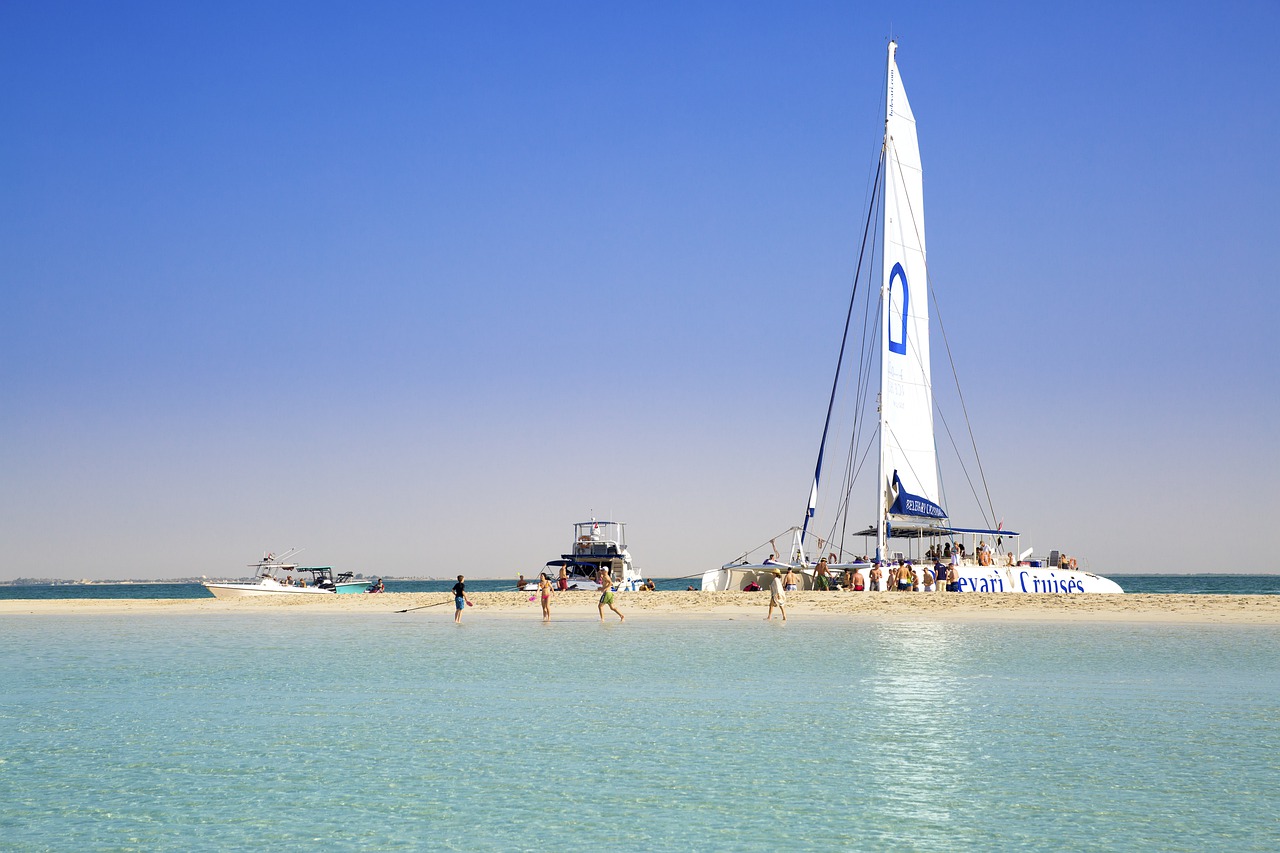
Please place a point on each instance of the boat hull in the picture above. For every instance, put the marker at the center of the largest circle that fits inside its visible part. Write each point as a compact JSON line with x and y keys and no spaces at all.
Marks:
{"x":250,"y":590}
{"x":1022,"y":579}
{"x":1034,"y":580}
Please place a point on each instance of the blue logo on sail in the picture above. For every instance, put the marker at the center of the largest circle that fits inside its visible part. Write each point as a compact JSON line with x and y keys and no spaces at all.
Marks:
{"x":905,"y":503}
{"x":899,"y":346}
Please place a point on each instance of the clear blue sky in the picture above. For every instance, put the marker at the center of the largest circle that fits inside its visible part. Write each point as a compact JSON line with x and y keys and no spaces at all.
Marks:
{"x":416,"y":286}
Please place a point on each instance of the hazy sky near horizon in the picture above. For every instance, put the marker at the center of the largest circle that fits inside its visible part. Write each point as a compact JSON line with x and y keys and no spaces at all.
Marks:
{"x":416,"y":286}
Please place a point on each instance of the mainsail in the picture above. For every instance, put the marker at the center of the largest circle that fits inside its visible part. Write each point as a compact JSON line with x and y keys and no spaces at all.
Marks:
{"x":907,"y":450}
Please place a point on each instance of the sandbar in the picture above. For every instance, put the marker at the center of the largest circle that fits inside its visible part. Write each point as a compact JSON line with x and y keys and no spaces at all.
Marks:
{"x":991,"y":607}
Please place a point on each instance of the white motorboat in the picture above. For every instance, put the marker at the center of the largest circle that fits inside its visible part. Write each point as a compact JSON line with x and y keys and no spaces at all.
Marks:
{"x":596,"y":545}
{"x":911,"y":506}
{"x":276,"y":576}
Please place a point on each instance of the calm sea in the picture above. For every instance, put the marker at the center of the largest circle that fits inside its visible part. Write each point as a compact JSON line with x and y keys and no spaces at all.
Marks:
{"x":1193,"y":584}
{"x":405,"y":732}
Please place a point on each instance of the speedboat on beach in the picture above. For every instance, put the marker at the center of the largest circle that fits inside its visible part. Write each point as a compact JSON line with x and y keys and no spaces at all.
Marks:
{"x":596,"y":545}
{"x":276,"y":576}
{"x":912,"y":521}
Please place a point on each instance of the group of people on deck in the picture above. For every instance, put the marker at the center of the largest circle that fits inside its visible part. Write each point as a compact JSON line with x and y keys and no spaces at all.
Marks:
{"x":903,"y":576}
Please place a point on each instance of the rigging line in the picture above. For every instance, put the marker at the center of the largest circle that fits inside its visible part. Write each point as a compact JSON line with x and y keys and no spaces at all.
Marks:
{"x":911,"y":467}
{"x":861,"y":386}
{"x":973,"y":442}
{"x":915,"y":225}
{"x":761,"y":545}
{"x":835,"y":383}
{"x":858,"y":470}
{"x":960,"y":460}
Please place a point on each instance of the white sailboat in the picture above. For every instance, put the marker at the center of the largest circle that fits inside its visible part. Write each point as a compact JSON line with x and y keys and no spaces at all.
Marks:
{"x":910,"y":507}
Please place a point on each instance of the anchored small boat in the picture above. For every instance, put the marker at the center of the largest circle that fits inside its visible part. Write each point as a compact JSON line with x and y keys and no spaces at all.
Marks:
{"x":596,"y":545}
{"x":277,"y":576}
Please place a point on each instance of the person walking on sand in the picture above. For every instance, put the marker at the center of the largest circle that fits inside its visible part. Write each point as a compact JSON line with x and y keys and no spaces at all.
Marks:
{"x":460,"y":599}
{"x":544,"y":593}
{"x":606,"y":594}
{"x":777,"y":596}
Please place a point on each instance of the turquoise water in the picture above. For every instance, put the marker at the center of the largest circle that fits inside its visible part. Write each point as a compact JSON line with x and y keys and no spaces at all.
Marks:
{"x":324,"y":731}
{"x":1213,"y":584}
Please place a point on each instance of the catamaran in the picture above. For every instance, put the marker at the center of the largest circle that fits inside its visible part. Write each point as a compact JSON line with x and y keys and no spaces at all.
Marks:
{"x":912,"y":524}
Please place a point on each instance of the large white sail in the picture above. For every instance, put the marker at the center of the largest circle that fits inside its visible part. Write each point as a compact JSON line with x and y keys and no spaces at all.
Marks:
{"x":906,"y":396}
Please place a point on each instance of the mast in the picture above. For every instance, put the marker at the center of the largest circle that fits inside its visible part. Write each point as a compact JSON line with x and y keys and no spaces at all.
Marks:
{"x":881,"y":507}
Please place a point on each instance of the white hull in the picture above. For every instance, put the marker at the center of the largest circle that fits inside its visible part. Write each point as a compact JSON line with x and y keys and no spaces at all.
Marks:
{"x":734,"y":578}
{"x":1033,"y":580}
{"x":243,"y":590}
{"x":1022,"y":579}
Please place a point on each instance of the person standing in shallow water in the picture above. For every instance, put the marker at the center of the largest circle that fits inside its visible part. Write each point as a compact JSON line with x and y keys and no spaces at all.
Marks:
{"x":460,"y":599}
{"x":606,"y":594}
{"x":544,"y":592}
{"x":777,"y":596}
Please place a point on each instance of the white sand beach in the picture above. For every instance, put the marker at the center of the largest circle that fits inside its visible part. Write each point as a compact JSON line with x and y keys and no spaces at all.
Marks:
{"x":1219,"y":609}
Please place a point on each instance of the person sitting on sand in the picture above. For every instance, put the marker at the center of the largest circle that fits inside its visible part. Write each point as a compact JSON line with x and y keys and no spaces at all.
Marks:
{"x":751,"y":587}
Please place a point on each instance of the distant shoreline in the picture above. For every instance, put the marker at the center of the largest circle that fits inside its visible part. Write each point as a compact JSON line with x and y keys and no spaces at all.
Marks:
{"x":969,"y":607}
{"x":409,"y":579}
